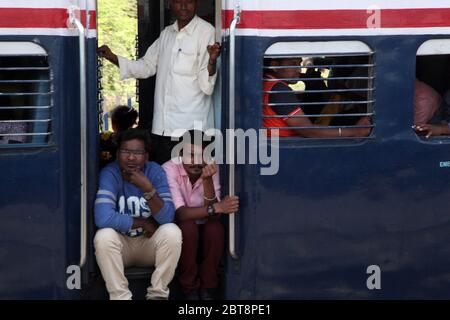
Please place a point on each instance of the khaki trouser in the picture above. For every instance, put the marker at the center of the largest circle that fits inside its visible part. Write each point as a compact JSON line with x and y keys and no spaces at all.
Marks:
{"x":115,"y":251}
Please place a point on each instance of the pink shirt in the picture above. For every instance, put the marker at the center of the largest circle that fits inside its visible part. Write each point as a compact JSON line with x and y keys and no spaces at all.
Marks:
{"x":426,"y":102}
{"x":183,"y":192}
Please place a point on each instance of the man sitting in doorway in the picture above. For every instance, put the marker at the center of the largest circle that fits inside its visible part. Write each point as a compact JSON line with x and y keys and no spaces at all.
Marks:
{"x":134,"y":212}
{"x":195,"y":191}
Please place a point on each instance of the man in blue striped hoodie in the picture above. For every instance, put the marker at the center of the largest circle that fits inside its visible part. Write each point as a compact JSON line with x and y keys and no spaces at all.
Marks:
{"x":134,"y":211}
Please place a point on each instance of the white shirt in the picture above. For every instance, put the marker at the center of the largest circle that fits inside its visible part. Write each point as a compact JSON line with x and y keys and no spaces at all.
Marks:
{"x":183,"y":85}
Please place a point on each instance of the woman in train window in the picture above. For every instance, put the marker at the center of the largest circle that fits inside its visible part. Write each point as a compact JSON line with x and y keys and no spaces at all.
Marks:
{"x":277,"y":103}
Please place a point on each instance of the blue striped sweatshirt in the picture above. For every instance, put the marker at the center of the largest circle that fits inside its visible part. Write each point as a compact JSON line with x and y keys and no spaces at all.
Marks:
{"x":119,"y":201}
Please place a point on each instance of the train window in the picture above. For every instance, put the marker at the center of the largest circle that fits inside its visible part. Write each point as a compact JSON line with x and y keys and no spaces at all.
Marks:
{"x":25,"y":95}
{"x":432,"y":89}
{"x":322,"y":90}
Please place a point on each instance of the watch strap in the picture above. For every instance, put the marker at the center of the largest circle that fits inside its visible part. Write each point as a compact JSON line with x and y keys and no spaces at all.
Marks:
{"x":211,"y":211}
{"x":149,"y":195}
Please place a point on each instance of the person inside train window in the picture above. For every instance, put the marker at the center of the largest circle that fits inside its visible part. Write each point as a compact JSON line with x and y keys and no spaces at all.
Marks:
{"x":122,"y":118}
{"x":195,"y":191}
{"x":184,"y":61}
{"x":427,"y":102}
{"x":11,"y":128}
{"x":431,"y":111}
{"x":134,"y":213}
{"x":350,"y":87}
{"x":314,"y":89}
{"x":286,"y":110}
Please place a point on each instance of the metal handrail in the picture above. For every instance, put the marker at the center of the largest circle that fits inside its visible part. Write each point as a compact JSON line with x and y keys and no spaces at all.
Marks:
{"x":25,"y":120}
{"x":321,"y":66}
{"x":26,"y":81}
{"x":232,"y":83}
{"x":25,"y":134}
{"x":317,"y":79}
{"x":24,"y":68}
{"x":24,"y":107}
{"x":324,"y":115}
{"x":322,"y":91}
{"x":83,"y":136}
{"x":319,"y":103}
{"x":321,"y":127}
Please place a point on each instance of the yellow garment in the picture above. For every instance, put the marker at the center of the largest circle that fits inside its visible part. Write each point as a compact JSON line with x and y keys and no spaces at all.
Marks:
{"x":106,"y":135}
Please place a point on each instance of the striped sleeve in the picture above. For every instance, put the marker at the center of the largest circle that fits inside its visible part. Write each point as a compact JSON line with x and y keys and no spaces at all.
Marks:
{"x":105,"y":209}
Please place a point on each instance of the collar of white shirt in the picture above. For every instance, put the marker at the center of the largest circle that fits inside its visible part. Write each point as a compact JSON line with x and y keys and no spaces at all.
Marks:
{"x":190,"y":27}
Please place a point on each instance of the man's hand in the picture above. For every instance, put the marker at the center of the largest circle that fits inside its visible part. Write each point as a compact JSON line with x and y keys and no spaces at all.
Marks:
{"x":105,"y":52}
{"x":431,"y":129}
{"x":148,"y":225}
{"x":208,"y":171}
{"x":214,"y":53}
{"x":149,"y":228}
{"x":139,"y":179}
{"x":362,"y":132}
{"x":227,"y":205}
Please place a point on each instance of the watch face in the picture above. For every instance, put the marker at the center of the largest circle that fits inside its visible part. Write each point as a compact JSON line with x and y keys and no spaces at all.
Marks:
{"x":211,"y":211}
{"x":147,"y":196}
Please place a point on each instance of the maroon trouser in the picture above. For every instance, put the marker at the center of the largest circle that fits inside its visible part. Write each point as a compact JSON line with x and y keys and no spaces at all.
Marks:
{"x":194,"y":276}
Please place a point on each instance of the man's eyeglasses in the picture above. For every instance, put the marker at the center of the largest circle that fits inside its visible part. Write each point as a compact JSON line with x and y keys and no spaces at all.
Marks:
{"x":127,"y":153}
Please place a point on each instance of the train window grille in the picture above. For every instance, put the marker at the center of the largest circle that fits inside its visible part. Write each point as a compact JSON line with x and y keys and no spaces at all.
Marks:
{"x":333,"y":90}
{"x":25,"y":100}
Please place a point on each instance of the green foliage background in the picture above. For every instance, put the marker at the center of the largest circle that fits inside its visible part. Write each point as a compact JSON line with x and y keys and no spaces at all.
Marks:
{"x":117,"y":27}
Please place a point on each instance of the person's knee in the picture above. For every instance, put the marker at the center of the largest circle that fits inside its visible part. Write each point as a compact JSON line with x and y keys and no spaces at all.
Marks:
{"x":170,"y":234}
{"x":189,"y":229}
{"x":106,"y":239}
{"x":213,"y":230}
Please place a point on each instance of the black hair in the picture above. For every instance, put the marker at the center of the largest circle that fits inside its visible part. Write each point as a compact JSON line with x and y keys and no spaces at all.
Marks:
{"x":197,"y":138}
{"x":123,"y":117}
{"x":135,"y":133}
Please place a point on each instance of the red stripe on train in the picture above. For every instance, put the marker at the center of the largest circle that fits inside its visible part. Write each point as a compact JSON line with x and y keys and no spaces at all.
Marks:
{"x":39,"y":18}
{"x":339,"y":19}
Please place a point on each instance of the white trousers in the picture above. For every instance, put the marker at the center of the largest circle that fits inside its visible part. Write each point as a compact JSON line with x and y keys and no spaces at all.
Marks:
{"x":115,"y":251}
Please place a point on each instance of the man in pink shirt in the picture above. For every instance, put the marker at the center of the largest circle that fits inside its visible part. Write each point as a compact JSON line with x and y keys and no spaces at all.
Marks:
{"x":195,"y":192}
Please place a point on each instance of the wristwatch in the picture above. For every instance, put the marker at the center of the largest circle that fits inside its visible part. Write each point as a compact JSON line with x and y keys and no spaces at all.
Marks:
{"x":211,"y":211}
{"x":149,"y":195}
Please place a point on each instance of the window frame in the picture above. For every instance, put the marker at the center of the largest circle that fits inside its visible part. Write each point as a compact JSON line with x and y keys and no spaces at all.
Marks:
{"x":19,"y":49}
{"x":331,"y":48}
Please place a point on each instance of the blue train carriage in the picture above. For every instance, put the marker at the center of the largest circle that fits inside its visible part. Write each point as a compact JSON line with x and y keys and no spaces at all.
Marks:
{"x":355,"y":217}
{"x":361,"y":217}
{"x":48,"y":144}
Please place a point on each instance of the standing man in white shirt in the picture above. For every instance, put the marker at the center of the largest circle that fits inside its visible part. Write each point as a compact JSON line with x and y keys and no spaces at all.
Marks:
{"x":184,"y":60}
